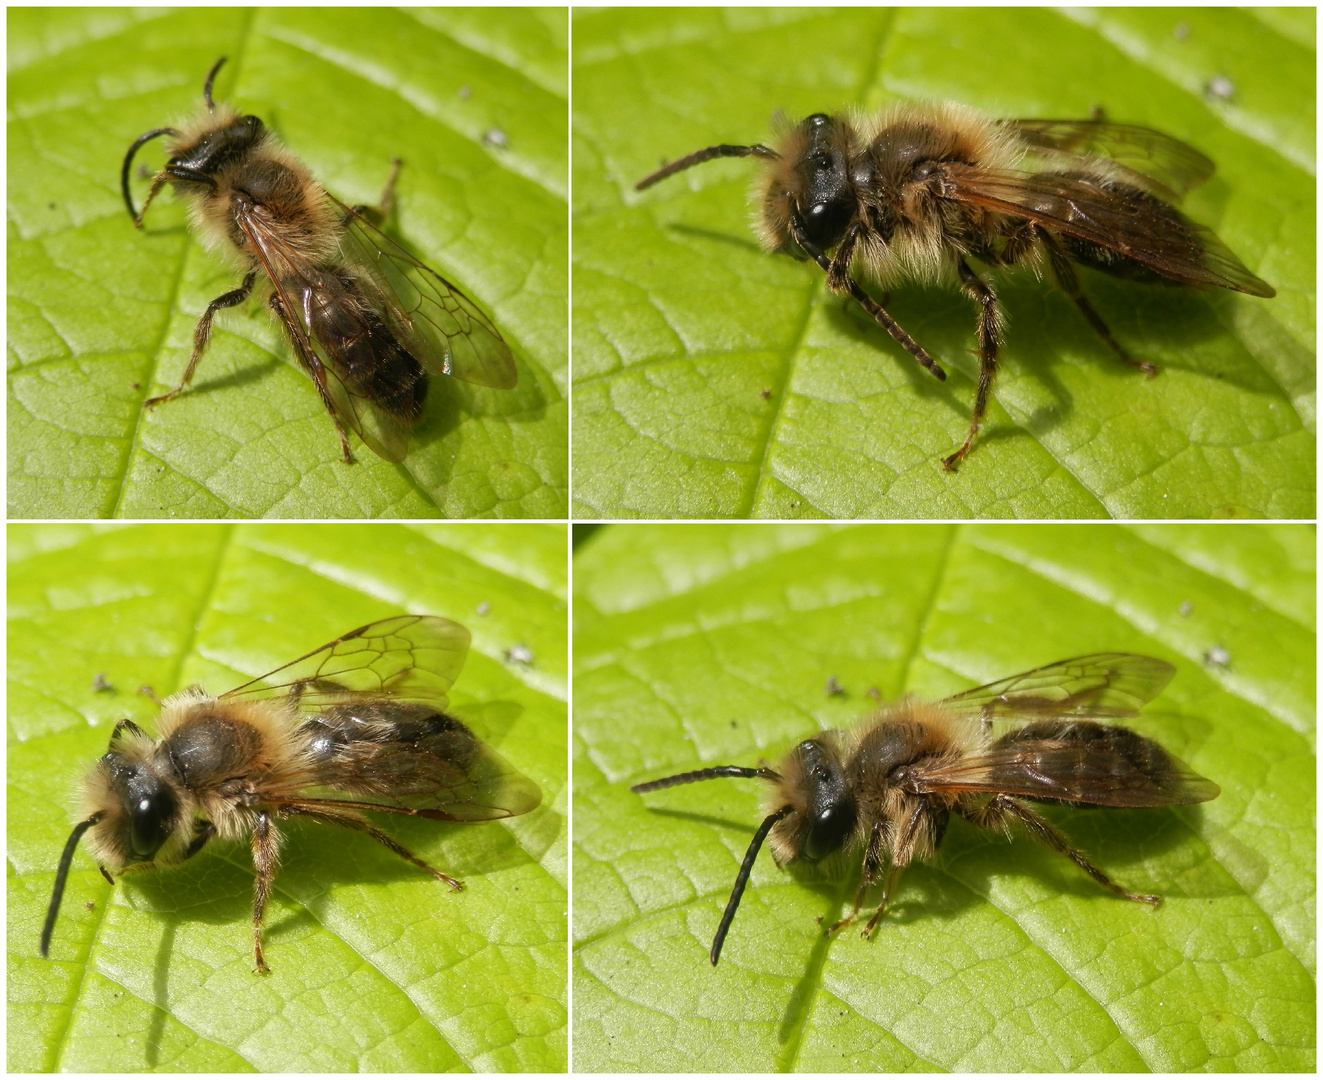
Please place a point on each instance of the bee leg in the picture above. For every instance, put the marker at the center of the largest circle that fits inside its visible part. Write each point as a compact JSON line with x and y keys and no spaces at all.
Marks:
{"x":121,"y":726}
{"x":872,"y":860}
{"x":204,"y":831}
{"x":888,"y":887}
{"x":266,"y":857}
{"x":352,"y":821}
{"x":202,"y":335}
{"x":989,"y":338}
{"x":378,"y":214}
{"x":864,"y":300}
{"x":838,"y":271}
{"x":1003,"y":810}
{"x":1070,"y":284}
{"x":314,"y":367}
{"x":902,"y":851}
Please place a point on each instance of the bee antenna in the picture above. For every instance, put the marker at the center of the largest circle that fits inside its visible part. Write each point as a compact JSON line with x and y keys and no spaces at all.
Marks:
{"x":121,"y":726}
{"x":206,"y":86}
{"x":716,"y":772}
{"x":62,"y":875}
{"x":700,"y":156}
{"x":128,"y":162}
{"x":742,"y":878}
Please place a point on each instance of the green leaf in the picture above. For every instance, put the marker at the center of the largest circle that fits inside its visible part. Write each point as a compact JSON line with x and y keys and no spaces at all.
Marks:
{"x":713,"y":380}
{"x":375,"y":966}
{"x":711,"y":645}
{"x":101,"y":315}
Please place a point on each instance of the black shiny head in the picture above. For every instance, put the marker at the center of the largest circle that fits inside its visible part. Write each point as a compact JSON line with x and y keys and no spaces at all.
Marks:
{"x":831,"y":813}
{"x":829,"y":202}
{"x":218,"y":147}
{"x":152,"y":807}
{"x":198,"y":162}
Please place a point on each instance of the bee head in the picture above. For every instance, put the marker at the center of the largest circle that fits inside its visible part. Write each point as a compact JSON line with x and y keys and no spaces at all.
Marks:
{"x":131,"y":793}
{"x":215,"y":147}
{"x":824,"y":812}
{"x":811,"y":180}
{"x":133,"y":813}
{"x":827,"y":200}
{"x":150,"y":808}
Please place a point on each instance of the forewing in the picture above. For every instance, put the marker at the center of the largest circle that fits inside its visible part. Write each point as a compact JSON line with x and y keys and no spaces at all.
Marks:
{"x":443,"y":328}
{"x":302,"y":288}
{"x":1100,"y":685}
{"x":1164,"y":241}
{"x":405,"y":658}
{"x":1174,"y":165}
{"x":1129,"y":771}
{"x":485,"y":787}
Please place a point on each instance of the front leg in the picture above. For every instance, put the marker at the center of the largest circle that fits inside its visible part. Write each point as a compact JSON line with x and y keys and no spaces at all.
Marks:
{"x":203,"y":831}
{"x":863,"y":299}
{"x":907,"y":836}
{"x":872,"y":860}
{"x":838,"y":273}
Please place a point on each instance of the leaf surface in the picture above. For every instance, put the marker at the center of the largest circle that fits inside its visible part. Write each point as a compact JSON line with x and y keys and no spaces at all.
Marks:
{"x":713,"y":380}
{"x":712,"y":645}
{"x":101,"y":316}
{"x":375,"y":966}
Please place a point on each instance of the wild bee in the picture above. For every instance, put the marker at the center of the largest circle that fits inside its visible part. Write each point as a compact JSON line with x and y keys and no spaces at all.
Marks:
{"x":917,"y":192}
{"x":357,"y":725}
{"x":886,"y":791}
{"x":370,"y":323}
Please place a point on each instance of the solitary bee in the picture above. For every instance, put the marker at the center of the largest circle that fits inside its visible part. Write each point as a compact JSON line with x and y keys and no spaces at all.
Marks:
{"x":359,"y":724}
{"x":370,"y":323}
{"x":886,"y":791}
{"x":917,"y":192}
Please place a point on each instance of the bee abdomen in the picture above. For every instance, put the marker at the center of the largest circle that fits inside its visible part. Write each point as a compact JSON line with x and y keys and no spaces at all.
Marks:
{"x":371,"y":360}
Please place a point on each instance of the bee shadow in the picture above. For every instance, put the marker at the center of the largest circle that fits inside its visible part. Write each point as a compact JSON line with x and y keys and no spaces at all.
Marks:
{"x":243,"y":376}
{"x":729,"y":239}
{"x":1042,"y":320}
{"x":1110,"y":838}
{"x":216,"y":886}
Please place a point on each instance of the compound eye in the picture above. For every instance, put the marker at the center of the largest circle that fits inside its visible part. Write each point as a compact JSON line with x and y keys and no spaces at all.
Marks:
{"x":830,"y":829}
{"x":151,"y":818}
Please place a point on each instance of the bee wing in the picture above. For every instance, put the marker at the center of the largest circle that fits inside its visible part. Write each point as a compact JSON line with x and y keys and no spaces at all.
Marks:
{"x":1175,"y":166}
{"x":1100,"y":685}
{"x":1086,"y":763}
{"x":1163,"y":239}
{"x":406,"y":658}
{"x":443,"y":328}
{"x":303,"y":289}
{"x":447,"y":774}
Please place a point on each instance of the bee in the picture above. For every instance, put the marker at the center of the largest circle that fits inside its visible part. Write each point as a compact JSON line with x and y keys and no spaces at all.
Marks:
{"x":369,"y":323}
{"x":357,"y":725}
{"x":918,"y":192}
{"x":886,"y":791}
